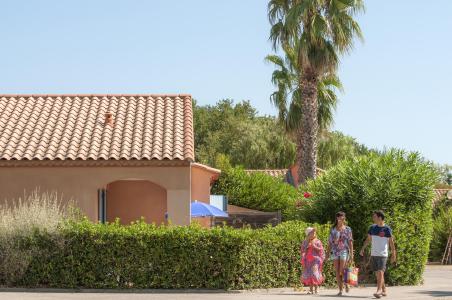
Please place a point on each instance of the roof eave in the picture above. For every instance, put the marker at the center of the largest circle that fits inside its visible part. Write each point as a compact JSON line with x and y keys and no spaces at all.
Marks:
{"x":94,"y":163}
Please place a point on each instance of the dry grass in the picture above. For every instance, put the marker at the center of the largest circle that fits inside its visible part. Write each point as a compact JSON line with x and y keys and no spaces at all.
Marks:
{"x":19,"y":220}
{"x":35,"y":211}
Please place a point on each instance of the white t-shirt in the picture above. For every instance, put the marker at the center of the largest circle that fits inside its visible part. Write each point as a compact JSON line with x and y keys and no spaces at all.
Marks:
{"x":380,"y":239}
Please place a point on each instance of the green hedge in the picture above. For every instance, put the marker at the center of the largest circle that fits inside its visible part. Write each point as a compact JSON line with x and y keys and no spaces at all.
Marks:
{"x":398,"y":183}
{"x":90,"y":255}
{"x":258,"y":191}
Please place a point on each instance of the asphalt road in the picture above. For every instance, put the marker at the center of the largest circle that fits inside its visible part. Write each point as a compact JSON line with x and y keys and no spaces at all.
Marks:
{"x":438,"y":285}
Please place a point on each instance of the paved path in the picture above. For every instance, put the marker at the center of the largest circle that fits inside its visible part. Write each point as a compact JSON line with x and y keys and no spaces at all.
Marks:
{"x":438,"y":285}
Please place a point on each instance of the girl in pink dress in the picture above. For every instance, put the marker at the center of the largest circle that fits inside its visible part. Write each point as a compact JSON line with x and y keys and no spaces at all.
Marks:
{"x":312,"y":257}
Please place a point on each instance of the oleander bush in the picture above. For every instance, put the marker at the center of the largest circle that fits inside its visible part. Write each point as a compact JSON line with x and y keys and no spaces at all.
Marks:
{"x":147,"y":256}
{"x":400,"y":184}
{"x":259,"y":191}
{"x":442,"y":228}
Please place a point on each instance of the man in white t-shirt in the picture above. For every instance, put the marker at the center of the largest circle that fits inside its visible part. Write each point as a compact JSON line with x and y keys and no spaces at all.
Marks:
{"x":380,"y":235}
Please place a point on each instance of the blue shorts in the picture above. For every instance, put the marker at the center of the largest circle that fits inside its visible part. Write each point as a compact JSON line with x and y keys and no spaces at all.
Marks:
{"x":343,"y":255}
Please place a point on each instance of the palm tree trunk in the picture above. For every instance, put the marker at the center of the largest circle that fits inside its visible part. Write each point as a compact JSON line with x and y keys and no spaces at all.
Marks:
{"x":308,"y":131}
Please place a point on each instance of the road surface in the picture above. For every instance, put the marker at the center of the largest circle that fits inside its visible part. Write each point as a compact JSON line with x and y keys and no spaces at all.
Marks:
{"x":438,"y":285}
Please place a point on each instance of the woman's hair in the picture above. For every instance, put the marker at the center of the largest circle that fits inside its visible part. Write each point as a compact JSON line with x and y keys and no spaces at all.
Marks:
{"x":338,"y":214}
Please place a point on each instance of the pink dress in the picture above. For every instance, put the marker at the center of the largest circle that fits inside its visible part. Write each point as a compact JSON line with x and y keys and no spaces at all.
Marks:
{"x":312,"y":257}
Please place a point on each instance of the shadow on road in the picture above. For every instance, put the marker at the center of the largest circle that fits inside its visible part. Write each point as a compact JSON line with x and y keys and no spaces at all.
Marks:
{"x":346,"y":296}
{"x":436,"y":293}
{"x":322,"y":295}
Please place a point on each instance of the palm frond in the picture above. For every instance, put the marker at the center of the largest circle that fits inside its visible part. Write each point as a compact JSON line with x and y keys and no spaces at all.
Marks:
{"x":287,"y":97}
{"x":319,"y":30}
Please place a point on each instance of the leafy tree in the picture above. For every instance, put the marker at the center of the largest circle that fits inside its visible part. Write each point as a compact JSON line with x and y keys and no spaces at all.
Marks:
{"x":228,"y":134}
{"x":336,"y":146}
{"x":320,"y":31}
{"x":445,"y":172}
{"x":236,"y":133}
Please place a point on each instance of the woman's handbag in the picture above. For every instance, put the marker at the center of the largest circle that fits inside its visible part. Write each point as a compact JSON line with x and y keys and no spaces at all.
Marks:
{"x":351,"y":275}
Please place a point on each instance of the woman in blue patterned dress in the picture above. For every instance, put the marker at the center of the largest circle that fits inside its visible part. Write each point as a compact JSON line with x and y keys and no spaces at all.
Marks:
{"x":340,"y":249}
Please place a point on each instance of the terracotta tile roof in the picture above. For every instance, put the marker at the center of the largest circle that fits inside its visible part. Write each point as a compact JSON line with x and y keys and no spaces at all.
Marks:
{"x":439,"y":194}
{"x":271,"y":172}
{"x":207,"y":168}
{"x":74,"y":127}
{"x":276,"y":172}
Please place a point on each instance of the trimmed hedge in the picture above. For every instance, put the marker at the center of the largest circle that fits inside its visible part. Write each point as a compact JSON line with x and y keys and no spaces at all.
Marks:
{"x":88,"y":255}
{"x":258,"y":191}
{"x":401,"y":185}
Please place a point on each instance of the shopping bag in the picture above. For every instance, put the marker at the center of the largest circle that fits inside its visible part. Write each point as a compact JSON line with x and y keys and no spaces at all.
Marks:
{"x":351,"y":276}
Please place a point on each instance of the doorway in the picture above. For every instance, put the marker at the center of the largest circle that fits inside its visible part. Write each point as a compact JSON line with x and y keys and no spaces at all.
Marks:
{"x":130,"y":200}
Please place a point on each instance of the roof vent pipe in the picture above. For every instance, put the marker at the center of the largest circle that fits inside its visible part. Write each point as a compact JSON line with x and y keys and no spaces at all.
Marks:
{"x":109,"y":118}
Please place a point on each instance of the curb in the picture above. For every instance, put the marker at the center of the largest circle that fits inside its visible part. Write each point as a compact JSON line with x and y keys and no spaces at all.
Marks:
{"x":162,"y":291}
{"x":119,"y":291}
{"x":170,"y":291}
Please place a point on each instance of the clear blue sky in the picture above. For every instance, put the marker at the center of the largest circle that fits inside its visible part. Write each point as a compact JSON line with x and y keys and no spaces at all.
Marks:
{"x":397,"y":83}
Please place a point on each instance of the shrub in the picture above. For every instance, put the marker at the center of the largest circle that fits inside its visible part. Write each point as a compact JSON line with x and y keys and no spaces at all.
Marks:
{"x":258,"y":191}
{"x":398,"y":183}
{"x":146,"y":256}
{"x":19,"y":221}
{"x":442,"y":228}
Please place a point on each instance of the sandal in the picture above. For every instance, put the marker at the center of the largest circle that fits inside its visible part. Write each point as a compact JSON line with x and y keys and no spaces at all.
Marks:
{"x":377,"y":295}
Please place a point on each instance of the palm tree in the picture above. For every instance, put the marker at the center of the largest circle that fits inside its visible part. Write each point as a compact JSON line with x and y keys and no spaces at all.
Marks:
{"x":319,"y":31}
{"x":287,"y":96}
